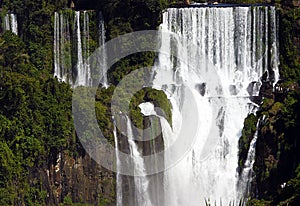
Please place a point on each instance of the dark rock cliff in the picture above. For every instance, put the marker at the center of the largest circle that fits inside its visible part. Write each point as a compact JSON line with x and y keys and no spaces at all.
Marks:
{"x":149,"y":147}
{"x":75,"y":179}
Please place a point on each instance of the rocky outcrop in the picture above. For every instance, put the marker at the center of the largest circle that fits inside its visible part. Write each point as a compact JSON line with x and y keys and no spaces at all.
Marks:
{"x":154,"y":146}
{"x":75,"y":179}
{"x":149,"y":147}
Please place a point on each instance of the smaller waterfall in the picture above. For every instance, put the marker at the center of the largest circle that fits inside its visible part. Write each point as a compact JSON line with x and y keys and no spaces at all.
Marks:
{"x":102,"y":43}
{"x":141,"y":182}
{"x":11,"y":23}
{"x":14,"y":23}
{"x":83,"y":66}
{"x":246,"y":176}
{"x":74,"y":45}
{"x":118,"y":176}
{"x":81,"y":76}
{"x":275,"y":44}
{"x":56,"y":48}
{"x":62,"y":48}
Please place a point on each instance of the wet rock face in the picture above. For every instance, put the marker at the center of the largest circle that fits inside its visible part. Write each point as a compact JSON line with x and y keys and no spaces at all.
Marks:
{"x":253,"y":87}
{"x":127,"y":181}
{"x":233,"y":90}
{"x":84,"y":179}
{"x":148,"y":147}
{"x":80,"y":179}
{"x":201,"y":88}
{"x":154,"y":146}
{"x":266,"y":90}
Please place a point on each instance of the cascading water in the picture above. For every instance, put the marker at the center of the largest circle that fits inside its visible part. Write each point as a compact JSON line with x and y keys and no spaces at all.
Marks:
{"x":81,"y":72}
{"x":275,"y":44}
{"x":246,"y":176}
{"x":140,"y":179}
{"x":235,"y":41}
{"x":75,"y":69}
{"x":62,"y":48}
{"x":11,"y":23}
{"x":118,"y":176}
{"x":103,"y":55}
{"x":14,"y":23}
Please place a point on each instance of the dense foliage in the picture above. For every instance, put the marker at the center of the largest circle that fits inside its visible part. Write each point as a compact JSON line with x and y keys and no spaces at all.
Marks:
{"x":250,"y":124}
{"x":35,"y":114}
{"x":35,"y":122}
{"x":35,"y":20}
{"x":277,"y":161}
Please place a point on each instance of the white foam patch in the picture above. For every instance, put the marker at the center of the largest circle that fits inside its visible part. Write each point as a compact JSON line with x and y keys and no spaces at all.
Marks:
{"x":147,"y":109}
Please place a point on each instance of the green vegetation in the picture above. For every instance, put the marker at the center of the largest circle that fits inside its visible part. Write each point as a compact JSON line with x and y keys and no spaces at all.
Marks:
{"x":35,"y":118}
{"x":277,"y":161}
{"x":247,"y":135}
{"x":36,"y":25}
{"x":35,"y":114}
{"x":278,"y":149}
{"x":158,"y":98}
{"x":125,"y":16}
{"x":290,"y":60}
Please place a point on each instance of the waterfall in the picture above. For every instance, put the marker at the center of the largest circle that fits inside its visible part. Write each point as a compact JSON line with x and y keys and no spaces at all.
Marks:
{"x":246,"y":176}
{"x":81,"y":72}
{"x":275,"y":44}
{"x":14,"y":23}
{"x":118,"y":176}
{"x":76,"y":39}
{"x":62,"y":47}
{"x":102,"y":43}
{"x":11,"y":23}
{"x":140,"y":179}
{"x":57,"y":72}
{"x":235,"y":43}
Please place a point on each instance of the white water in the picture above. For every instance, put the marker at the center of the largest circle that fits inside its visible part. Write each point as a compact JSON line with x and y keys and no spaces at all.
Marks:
{"x":118,"y":176}
{"x":57,"y":72}
{"x":81,"y":72}
{"x":11,"y":23}
{"x":140,"y":179}
{"x":103,"y":62}
{"x":14,"y":23}
{"x":246,"y":176}
{"x":62,"y":48}
{"x":147,"y":109}
{"x":64,"y":70}
{"x":275,"y":44}
{"x":233,"y":42}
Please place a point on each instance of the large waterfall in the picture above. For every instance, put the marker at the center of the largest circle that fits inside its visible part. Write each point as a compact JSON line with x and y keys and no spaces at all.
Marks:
{"x":233,"y":47}
{"x":72,"y":46}
{"x":10,"y":23}
{"x":239,"y":44}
